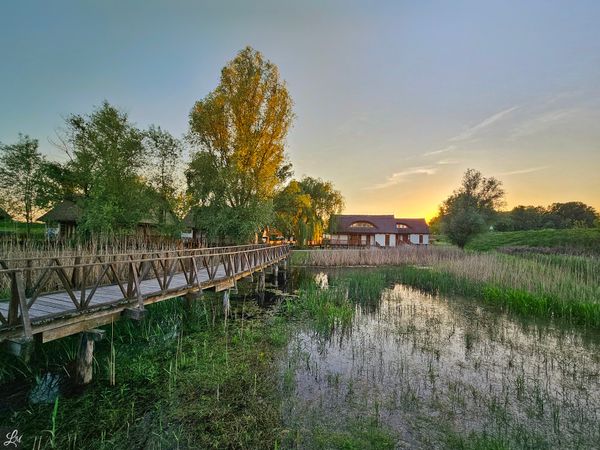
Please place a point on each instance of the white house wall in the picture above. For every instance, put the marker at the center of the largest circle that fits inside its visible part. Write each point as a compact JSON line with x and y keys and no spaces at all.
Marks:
{"x":414,"y":239}
{"x":380,"y":239}
{"x":392,"y":240}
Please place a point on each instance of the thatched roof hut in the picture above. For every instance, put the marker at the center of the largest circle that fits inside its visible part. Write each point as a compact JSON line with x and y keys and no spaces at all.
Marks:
{"x":66,"y":211}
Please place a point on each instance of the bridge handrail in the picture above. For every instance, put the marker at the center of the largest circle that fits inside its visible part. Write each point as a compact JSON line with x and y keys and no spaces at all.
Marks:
{"x":82,"y":281}
{"x":96,"y":255}
{"x":140,"y":260}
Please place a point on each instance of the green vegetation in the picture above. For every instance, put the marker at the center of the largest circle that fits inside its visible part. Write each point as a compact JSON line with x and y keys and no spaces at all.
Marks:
{"x":14,"y":228}
{"x":191,"y":382}
{"x":20,"y":177}
{"x":540,"y":285}
{"x":576,"y":239}
{"x":471,"y":208}
{"x":555,"y":216}
{"x":303,"y":209}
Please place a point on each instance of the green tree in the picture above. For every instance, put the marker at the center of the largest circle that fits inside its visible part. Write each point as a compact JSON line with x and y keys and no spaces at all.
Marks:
{"x":293,"y":209}
{"x":106,"y":154}
{"x":471,"y":208}
{"x":571,"y":214}
{"x":164,"y":154}
{"x":303,"y":208}
{"x":240,"y":130}
{"x":21,"y":176}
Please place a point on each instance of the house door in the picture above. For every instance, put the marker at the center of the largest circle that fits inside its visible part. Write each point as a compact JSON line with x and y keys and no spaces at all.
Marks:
{"x":354,"y":239}
{"x":387,"y":240}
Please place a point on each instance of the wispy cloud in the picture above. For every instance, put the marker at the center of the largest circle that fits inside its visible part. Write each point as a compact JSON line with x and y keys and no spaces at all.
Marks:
{"x":543,"y":121}
{"x":446,"y":149}
{"x":523,"y":171}
{"x":403,"y":175}
{"x":487,"y":122}
{"x":471,"y":132}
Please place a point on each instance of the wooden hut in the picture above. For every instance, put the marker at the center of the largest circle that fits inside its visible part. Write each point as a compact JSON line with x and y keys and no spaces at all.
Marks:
{"x":61,"y":220}
{"x":191,"y":232}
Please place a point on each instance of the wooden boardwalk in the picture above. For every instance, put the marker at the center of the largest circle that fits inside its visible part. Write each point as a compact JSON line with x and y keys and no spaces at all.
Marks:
{"x":104,"y":288}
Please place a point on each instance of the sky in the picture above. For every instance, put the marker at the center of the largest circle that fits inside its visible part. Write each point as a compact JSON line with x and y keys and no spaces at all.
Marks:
{"x":394,"y":100}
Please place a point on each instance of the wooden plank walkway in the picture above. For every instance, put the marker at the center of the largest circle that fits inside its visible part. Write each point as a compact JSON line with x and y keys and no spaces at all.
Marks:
{"x":56,"y":314}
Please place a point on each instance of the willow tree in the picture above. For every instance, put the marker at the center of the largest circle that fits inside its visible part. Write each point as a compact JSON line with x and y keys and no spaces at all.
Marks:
{"x":303,"y":208}
{"x":240,"y":130}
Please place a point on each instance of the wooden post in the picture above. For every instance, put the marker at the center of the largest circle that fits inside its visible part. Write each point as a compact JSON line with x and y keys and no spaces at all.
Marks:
{"x":189,"y":300}
{"x":275,"y":274}
{"x":260,"y":283}
{"x":85,"y":356}
{"x":226,"y":305}
{"x":28,"y":281}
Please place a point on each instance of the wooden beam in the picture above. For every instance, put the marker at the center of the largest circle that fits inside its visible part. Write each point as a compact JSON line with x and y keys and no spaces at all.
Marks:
{"x":135,"y":313}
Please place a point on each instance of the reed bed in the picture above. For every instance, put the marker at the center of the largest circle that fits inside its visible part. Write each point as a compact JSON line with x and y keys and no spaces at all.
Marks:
{"x":37,"y":256}
{"x":567,"y":286}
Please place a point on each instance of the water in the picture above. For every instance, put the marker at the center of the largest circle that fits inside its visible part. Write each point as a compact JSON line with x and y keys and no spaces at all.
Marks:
{"x":438,"y":372}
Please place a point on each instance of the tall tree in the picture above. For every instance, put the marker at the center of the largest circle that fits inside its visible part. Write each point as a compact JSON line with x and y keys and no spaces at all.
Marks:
{"x":240,"y":130}
{"x":20,"y":176}
{"x":106,"y":153}
{"x":471,"y":208}
{"x":164,"y":158}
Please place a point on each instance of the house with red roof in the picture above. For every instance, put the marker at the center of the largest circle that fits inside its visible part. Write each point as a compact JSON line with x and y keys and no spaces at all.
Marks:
{"x":377,"y":231}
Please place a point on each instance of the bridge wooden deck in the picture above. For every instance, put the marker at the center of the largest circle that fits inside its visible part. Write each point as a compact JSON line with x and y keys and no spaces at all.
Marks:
{"x":52,"y":298}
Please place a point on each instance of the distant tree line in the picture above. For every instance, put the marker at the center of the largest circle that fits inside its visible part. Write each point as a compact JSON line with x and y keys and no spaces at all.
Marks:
{"x":557,"y":216}
{"x":236,"y":183}
{"x":474,"y":208}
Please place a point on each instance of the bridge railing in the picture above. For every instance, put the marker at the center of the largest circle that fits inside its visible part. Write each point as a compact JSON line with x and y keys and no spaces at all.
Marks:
{"x":78,"y":282}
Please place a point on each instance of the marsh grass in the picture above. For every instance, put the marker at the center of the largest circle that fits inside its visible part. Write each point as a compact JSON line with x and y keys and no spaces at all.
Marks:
{"x":543,"y":285}
{"x":180,"y":379}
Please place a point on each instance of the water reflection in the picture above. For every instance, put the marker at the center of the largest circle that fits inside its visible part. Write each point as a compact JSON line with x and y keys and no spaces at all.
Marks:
{"x":433,"y":368}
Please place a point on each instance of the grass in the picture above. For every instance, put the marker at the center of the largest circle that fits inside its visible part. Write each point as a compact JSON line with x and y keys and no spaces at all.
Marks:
{"x":539,"y":285}
{"x":14,"y":228}
{"x":585,"y":240}
{"x":185,"y":378}
{"x":180,"y":382}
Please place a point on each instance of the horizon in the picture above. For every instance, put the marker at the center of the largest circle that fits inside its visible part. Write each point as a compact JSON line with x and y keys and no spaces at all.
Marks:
{"x":400,"y":98}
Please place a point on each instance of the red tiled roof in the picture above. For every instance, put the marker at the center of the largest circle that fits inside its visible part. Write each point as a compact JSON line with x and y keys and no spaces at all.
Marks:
{"x":382,"y":224}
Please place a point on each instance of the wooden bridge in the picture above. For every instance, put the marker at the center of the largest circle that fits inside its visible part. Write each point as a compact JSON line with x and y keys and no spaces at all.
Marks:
{"x":52,"y":297}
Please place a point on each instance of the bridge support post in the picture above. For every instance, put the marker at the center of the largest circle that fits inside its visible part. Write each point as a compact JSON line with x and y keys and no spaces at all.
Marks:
{"x":226,"y":304}
{"x":189,"y":299}
{"x":275,"y":274}
{"x":85,"y":356}
{"x":260,"y":283}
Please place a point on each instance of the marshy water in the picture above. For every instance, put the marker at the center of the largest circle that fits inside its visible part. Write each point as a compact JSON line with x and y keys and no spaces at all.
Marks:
{"x":438,"y":372}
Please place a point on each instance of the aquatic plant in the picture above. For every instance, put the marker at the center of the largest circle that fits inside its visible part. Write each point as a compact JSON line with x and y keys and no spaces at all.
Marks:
{"x":548,"y":285}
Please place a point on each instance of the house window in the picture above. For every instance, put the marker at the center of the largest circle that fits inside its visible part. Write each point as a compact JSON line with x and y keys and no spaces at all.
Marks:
{"x":362,"y":225}
{"x":363,"y":240}
{"x":401,"y":226}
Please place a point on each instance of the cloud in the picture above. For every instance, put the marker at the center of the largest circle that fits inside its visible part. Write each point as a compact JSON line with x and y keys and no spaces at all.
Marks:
{"x":542,"y":122}
{"x":446,"y":149}
{"x":473,"y":130}
{"x":523,"y":171}
{"x":402,"y":176}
